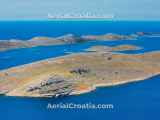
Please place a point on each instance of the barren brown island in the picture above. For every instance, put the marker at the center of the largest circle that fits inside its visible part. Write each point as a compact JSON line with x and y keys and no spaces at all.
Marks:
{"x":79,"y":73}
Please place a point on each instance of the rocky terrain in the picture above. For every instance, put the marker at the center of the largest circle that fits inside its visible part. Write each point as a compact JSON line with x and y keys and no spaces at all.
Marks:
{"x":78,"y":73}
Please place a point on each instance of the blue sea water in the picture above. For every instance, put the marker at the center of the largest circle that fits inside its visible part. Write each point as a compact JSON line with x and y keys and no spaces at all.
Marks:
{"x":140,"y":101}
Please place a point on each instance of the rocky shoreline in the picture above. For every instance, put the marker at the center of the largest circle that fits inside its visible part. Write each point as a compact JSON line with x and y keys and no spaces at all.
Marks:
{"x":94,"y":87}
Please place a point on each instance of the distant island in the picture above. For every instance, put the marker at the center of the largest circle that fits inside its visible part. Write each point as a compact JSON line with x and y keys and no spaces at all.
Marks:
{"x":84,"y":15}
{"x":66,"y":39}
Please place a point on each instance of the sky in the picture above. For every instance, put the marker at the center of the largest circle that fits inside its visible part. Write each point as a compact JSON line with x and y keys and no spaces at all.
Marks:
{"x":122,"y":9}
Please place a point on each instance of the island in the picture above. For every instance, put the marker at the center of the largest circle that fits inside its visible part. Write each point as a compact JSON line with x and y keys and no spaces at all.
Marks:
{"x":78,"y":73}
{"x":37,"y":41}
{"x":66,"y":39}
{"x":100,"y":48}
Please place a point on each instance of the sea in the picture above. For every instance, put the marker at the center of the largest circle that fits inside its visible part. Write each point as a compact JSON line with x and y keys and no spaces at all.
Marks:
{"x":134,"y":101}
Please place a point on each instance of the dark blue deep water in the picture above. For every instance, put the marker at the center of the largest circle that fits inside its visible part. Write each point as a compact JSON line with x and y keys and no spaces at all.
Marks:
{"x":136,"y":101}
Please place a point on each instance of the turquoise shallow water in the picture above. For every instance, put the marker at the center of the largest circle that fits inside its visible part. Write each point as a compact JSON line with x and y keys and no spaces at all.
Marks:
{"x":139,"y":100}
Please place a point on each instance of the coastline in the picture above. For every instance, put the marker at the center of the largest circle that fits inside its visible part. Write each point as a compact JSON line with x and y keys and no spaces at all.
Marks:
{"x":94,"y":87}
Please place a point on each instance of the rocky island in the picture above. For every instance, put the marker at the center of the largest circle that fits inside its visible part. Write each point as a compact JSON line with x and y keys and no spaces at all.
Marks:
{"x":78,"y":73}
{"x":66,"y":39}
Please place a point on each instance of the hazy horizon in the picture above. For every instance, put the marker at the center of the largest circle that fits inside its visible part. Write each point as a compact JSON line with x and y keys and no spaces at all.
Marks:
{"x":38,"y":10}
